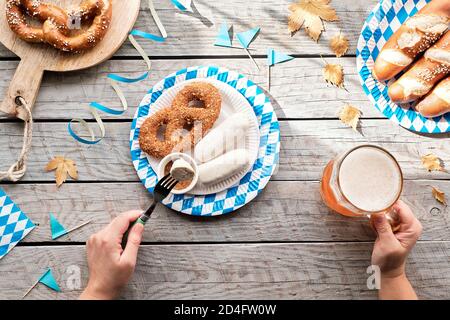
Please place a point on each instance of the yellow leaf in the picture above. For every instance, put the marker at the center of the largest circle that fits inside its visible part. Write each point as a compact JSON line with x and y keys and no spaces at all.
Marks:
{"x":63,"y":167}
{"x":71,"y":170}
{"x":339,"y":44}
{"x":53,"y":164}
{"x":309,"y":14}
{"x":60,"y":174}
{"x":439,"y":195}
{"x":432,"y":163}
{"x":334,"y":74}
{"x":350,"y":115}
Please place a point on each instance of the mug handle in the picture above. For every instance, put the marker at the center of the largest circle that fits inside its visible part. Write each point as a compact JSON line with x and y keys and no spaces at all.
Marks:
{"x":393,"y":219}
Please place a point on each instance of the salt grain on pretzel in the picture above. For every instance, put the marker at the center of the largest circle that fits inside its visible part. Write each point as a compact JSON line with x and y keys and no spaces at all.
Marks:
{"x":180,"y":116}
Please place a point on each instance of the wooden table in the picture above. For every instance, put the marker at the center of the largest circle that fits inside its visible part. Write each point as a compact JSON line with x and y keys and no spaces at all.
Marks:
{"x":286,"y":243}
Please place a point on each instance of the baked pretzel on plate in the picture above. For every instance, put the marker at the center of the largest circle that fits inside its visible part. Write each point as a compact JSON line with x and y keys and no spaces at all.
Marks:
{"x":437,"y":102}
{"x":424,"y":74}
{"x":415,"y":36}
{"x":55,"y":23}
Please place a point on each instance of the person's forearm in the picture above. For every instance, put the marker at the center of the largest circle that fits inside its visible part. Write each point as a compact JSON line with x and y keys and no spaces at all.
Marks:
{"x":396,"y":288}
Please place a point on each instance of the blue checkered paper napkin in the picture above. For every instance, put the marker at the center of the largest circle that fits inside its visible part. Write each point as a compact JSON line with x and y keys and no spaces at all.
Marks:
{"x":382,"y":22}
{"x":252,"y":183}
{"x":14,"y":224}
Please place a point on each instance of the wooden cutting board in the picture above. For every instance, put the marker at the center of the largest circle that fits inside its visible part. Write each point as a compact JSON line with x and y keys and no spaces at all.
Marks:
{"x":37,"y":58}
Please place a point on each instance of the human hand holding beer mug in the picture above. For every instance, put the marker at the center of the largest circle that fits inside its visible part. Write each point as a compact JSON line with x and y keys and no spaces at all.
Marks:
{"x":391,"y":250}
{"x":367,"y":181}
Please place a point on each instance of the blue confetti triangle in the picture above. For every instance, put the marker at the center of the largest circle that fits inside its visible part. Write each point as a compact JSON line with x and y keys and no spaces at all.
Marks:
{"x":57,"y":228}
{"x":48,"y":280}
{"x":275,"y":57}
{"x":223,"y":37}
{"x":245,"y":38}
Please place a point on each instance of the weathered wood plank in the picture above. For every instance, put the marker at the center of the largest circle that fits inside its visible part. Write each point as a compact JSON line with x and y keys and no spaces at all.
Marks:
{"x":244,"y":271}
{"x":298,"y":89}
{"x":195,"y":35}
{"x":306,"y":148}
{"x":285,"y":211}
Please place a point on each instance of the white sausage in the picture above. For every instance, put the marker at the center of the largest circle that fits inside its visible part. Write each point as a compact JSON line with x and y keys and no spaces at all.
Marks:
{"x":181,"y":170}
{"x":224,"y":166}
{"x":226,"y":137}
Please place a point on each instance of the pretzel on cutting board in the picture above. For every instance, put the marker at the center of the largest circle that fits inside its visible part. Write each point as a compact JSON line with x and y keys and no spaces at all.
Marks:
{"x":55,"y":23}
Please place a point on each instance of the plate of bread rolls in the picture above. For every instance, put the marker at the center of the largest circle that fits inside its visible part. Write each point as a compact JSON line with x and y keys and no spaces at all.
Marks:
{"x":403,"y":59}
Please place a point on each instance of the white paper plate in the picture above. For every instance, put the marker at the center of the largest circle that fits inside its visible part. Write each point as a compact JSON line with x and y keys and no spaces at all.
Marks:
{"x":232,"y":102}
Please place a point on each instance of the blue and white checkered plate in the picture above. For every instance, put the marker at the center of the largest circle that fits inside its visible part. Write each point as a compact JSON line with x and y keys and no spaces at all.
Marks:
{"x":382,"y":22}
{"x":252,"y":183}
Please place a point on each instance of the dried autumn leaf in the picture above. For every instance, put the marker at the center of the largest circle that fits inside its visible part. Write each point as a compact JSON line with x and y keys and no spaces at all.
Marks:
{"x":432,"y":163}
{"x":310,"y":13}
{"x":439,"y":195}
{"x":334,"y":74}
{"x":63,"y":167}
{"x":350,"y":115}
{"x":339,"y":44}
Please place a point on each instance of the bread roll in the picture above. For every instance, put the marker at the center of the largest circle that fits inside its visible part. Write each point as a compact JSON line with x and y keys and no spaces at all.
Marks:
{"x":437,"y":102}
{"x":415,"y":36}
{"x":424,"y":74}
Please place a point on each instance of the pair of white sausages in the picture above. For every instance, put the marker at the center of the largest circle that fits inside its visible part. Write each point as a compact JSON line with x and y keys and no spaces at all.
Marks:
{"x":220,"y":150}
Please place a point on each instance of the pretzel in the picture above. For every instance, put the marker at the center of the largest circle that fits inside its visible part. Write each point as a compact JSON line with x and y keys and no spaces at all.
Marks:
{"x":424,"y":74}
{"x":437,"y":102}
{"x":101,"y":10}
{"x":55,"y":23}
{"x":179,"y":118}
{"x":415,"y":36}
{"x":17,"y":21}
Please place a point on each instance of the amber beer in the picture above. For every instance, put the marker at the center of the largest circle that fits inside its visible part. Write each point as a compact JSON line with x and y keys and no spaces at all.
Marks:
{"x":362,"y":181}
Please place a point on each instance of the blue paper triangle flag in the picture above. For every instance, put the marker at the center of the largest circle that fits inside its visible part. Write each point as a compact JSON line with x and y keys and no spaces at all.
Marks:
{"x":223,"y":38}
{"x":245,"y":38}
{"x":274,"y":57}
{"x":57,"y":228}
{"x":48,"y":280}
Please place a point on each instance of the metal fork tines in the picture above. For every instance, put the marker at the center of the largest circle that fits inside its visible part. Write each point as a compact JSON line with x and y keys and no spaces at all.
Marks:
{"x":163,"y":188}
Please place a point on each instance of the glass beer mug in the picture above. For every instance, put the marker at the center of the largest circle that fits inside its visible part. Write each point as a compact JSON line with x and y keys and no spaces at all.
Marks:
{"x":363,"y":181}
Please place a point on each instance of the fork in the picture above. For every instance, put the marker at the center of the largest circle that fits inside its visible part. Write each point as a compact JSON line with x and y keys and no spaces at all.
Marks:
{"x":162,"y":190}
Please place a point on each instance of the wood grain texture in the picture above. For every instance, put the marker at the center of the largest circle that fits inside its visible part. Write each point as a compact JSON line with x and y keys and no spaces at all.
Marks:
{"x":286,"y":211}
{"x":270,"y":15}
{"x":306,"y":148}
{"x":298,"y":90}
{"x":241,"y":271}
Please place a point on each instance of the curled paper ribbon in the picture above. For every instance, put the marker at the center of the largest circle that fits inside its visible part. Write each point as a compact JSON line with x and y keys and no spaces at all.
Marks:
{"x":156,"y":18}
{"x":183,"y":5}
{"x":114,"y":79}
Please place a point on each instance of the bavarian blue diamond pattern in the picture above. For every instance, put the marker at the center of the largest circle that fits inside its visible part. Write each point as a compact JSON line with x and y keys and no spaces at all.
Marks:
{"x":252,"y":183}
{"x":385,"y":19}
{"x":14,"y":224}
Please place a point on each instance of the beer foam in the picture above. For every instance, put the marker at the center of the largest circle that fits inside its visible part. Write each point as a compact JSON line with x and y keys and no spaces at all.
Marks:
{"x":370,"y":179}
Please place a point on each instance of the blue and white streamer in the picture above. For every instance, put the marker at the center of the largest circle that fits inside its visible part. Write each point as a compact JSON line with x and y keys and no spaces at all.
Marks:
{"x":114,"y":79}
